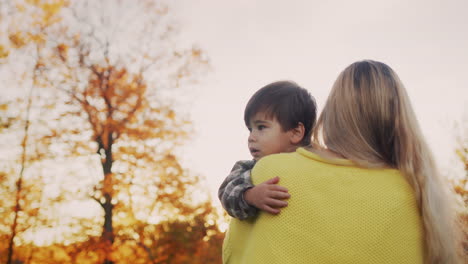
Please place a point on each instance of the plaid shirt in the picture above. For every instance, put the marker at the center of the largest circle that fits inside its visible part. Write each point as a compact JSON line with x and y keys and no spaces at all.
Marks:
{"x":231,"y":192}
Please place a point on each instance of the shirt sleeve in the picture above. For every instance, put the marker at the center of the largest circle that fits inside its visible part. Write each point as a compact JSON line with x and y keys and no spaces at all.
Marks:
{"x":231,"y":192}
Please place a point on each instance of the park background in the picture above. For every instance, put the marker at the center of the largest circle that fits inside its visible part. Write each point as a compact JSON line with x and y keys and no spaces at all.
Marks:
{"x":119,"y":119}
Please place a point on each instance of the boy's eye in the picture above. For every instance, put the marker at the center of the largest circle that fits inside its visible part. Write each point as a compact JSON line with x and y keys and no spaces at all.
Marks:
{"x":261,"y":127}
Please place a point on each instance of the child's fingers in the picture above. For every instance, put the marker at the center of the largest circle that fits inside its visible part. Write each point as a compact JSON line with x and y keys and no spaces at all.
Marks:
{"x":270,"y":210}
{"x":276,"y":203}
{"x":273,"y":180}
{"x":279,"y":195}
{"x":278,"y":188}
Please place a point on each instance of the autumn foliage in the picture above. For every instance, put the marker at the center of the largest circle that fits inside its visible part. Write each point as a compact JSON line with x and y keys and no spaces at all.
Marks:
{"x":461,"y":185}
{"x":92,"y":135}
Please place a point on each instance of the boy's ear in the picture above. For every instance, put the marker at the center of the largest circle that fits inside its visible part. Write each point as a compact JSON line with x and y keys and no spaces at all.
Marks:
{"x":297,"y":133}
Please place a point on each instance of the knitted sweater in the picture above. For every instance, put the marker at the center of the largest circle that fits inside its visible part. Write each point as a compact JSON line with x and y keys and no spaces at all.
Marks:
{"x":337,"y":213}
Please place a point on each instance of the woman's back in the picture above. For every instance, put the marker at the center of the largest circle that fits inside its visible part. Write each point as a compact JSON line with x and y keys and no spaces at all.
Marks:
{"x":337,"y":213}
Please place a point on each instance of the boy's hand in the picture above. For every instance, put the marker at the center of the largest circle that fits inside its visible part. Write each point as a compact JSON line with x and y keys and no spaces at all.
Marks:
{"x":268,"y":196}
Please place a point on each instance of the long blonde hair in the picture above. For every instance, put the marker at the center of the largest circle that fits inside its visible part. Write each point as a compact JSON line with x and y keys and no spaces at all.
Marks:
{"x":368,"y":119}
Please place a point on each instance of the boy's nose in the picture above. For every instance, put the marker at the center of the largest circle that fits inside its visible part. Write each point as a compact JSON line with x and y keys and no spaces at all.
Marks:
{"x":251,"y":137}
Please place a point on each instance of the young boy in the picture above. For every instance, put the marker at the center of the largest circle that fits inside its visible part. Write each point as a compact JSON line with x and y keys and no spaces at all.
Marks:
{"x":280,"y":118}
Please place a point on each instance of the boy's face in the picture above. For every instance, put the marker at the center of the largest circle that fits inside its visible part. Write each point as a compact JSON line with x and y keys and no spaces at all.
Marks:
{"x":267,"y":137}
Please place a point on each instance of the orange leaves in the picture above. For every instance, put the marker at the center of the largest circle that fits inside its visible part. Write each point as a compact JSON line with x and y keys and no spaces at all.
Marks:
{"x":3,"y":176}
{"x":116,"y":102}
{"x":115,"y":90}
{"x":117,"y":106}
{"x":152,"y":123}
{"x":460,"y":188}
{"x":188,"y":241}
{"x":33,"y":212}
{"x":62,"y":51}
{"x":18,"y":39}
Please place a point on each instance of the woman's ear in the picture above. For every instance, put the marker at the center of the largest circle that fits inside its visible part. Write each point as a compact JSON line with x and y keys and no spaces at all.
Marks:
{"x":297,"y":134}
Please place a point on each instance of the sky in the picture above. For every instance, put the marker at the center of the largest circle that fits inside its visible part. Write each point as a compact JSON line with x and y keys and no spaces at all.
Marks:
{"x":253,"y":43}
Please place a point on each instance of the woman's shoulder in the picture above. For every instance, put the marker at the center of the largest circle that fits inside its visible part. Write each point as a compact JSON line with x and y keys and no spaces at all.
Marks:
{"x":276,"y":164}
{"x":277,"y":160}
{"x":271,"y":166}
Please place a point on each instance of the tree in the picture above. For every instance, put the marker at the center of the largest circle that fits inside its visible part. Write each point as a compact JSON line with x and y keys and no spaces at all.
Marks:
{"x":21,"y":38}
{"x":126,"y":121}
{"x":194,"y":239}
{"x":461,"y":184}
{"x":108,"y":78}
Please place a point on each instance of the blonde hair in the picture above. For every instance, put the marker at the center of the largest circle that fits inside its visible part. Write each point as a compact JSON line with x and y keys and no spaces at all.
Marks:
{"x":368,"y":119}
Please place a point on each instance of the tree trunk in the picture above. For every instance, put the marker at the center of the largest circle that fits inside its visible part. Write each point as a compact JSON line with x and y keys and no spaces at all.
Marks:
{"x":19,"y":182}
{"x":108,"y":229}
{"x":11,"y":243}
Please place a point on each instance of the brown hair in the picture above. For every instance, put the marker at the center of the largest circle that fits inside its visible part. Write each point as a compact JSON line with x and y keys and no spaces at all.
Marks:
{"x":288,"y":103}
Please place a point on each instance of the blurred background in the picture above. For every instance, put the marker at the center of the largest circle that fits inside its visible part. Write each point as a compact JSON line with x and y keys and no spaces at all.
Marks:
{"x":119,"y":119}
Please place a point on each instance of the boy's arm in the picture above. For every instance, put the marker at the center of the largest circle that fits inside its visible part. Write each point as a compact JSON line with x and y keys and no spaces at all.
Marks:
{"x":231,"y":192}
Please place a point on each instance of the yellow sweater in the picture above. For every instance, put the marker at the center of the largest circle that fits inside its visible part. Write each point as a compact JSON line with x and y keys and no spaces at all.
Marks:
{"x":337,"y":213}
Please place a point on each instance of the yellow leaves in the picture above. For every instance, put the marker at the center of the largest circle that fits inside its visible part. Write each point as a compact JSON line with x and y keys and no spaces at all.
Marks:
{"x":3,"y":52}
{"x":17,"y":39}
{"x":43,"y":13}
{"x":34,"y":2}
{"x":116,"y":103}
{"x":50,"y":17}
{"x":171,"y":115}
{"x":50,"y":106}
{"x":3,"y":107}
{"x":36,"y":38}
{"x":53,"y":7}
{"x":20,"y":39}
{"x":460,"y":188}
{"x":49,"y":7}
{"x":462,"y":154}
{"x":196,"y":52}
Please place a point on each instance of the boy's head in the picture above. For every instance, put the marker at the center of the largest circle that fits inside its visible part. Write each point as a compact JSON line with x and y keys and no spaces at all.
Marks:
{"x":280,"y":118}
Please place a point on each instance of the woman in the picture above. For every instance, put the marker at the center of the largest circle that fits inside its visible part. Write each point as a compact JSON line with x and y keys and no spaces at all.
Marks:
{"x":370,"y":194}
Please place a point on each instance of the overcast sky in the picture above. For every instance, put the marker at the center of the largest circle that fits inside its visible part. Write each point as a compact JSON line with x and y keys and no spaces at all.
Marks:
{"x":253,"y":43}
